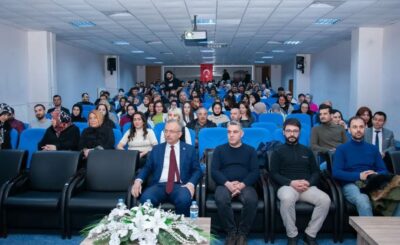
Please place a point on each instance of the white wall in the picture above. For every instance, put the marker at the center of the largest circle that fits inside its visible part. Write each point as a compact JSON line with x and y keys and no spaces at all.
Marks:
{"x":287,"y":74}
{"x":127,"y":75}
{"x":330,"y":76}
{"x":14,"y":69}
{"x":78,"y":71}
{"x":276,"y":76}
{"x":391,"y":77}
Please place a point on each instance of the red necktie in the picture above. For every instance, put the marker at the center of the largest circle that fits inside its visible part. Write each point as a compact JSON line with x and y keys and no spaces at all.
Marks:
{"x":172,"y":171}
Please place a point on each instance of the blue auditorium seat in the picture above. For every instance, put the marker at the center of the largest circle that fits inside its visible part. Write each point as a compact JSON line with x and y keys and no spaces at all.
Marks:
{"x":254,"y":136}
{"x":304,"y":136}
{"x":117,"y":136}
{"x":14,"y":138}
{"x":158,"y":129}
{"x":81,"y":125}
{"x":29,"y":140}
{"x":271,"y":127}
{"x":209,"y":138}
{"x":271,"y":117}
{"x":303,"y":118}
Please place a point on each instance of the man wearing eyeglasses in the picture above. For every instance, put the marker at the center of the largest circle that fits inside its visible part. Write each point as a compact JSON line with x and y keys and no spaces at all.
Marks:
{"x":294,"y":170}
{"x":175,"y":170}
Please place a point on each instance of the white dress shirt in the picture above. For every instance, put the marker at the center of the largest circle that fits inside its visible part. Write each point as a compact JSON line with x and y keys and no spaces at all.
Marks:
{"x":164,"y":173}
{"x":379,"y":137}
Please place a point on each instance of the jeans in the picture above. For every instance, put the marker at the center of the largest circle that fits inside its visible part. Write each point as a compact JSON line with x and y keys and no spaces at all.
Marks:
{"x":364,"y":207}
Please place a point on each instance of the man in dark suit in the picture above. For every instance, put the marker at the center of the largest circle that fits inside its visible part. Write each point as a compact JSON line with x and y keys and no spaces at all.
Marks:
{"x":379,"y":136}
{"x":175,"y":169}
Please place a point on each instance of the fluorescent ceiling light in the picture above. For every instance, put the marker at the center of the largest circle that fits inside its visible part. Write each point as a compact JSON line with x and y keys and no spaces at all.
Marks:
{"x":121,"y":43}
{"x":259,"y":62}
{"x":208,"y":57}
{"x":278,"y":51}
{"x":205,"y":21}
{"x":291,"y":42}
{"x":267,"y":57}
{"x":158,"y":62}
{"x":150,"y":58}
{"x":317,"y":4}
{"x":82,"y":23}
{"x":327,"y":21}
{"x":169,"y":53}
{"x":118,"y":14}
{"x":206,"y":42}
{"x":274,"y":42}
{"x":153,"y":42}
{"x":137,"y":51}
{"x":207,"y":50}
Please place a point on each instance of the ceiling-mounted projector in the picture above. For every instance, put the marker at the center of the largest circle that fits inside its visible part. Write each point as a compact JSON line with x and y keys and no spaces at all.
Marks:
{"x":194,"y":34}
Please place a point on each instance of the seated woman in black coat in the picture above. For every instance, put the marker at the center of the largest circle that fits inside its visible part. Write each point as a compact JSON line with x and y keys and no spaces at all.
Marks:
{"x":97,"y":135}
{"x":76,"y":115}
{"x":62,"y":135}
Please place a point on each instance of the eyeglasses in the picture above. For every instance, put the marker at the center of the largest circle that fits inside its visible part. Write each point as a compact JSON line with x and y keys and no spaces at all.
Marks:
{"x":295,"y":131}
{"x":166,"y":131}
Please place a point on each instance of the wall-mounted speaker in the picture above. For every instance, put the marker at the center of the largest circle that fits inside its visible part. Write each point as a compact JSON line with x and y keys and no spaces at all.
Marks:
{"x":300,"y":63}
{"x":111,"y":65}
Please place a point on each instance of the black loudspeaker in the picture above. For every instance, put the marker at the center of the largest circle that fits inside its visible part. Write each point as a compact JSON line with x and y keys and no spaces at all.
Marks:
{"x":111,"y":65}
{"x":300,"y":63}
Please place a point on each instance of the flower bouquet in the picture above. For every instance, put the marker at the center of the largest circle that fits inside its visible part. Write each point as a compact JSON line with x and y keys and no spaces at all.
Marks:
{"x":145,"y":225}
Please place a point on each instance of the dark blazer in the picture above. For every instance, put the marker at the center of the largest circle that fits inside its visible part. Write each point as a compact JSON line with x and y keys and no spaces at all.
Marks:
{"x":189,"y":166}
{"x":387,"y":138}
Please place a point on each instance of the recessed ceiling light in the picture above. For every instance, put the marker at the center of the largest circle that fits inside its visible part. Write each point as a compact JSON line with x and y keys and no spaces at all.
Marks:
{"x":291,"y":42}
{"x":327,"y":21}
{"x":267,"y":57}
{"x":153,"y":42}
{"x":259,"y":62}
{"x":204,"y":21}
{"x":278,"y":51}
{"x":117,"y":14}
{"x":137,"y":51}
{"x":121,"y":43}
{"x":82,"y":23}
{"x":207,"y":50}
{"x":274,"y":42}
{"x":150,"y":58}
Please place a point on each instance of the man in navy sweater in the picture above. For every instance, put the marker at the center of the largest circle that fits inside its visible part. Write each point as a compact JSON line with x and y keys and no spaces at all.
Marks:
{"x":235,"y":170}
{"x":354,"y":161}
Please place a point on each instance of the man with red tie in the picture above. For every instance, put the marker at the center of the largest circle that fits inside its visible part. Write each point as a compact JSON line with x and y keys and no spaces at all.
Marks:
{"x":175,"y":172}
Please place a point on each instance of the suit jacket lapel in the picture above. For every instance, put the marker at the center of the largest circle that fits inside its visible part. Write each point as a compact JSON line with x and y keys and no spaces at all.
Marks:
{"x":182,"y":155}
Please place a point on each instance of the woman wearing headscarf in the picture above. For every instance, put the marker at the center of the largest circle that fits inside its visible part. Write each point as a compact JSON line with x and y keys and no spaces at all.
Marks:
{"x":97,"y":135}
{"x":62,"y":135}
{"x":76,"y":115}
{"x":5,"y":127}
{"x":217,"y":115}
{"x":128,"y":117}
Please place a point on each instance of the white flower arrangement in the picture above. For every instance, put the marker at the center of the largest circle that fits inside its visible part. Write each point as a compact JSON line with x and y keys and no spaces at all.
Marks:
{"x":145,"y":225}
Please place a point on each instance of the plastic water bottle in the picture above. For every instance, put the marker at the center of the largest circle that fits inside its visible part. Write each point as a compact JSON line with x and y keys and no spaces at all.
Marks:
{"x":148,"y":203}
{"x":194,"y":211}
{"x":121,"y":204}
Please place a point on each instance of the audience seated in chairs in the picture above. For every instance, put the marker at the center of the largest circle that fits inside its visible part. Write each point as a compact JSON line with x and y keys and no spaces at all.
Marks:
{"x":200,"y":123}
{"x":5,"y":127}
{"x":103,"y":108}
{"x":76,"y":115}
{"x":246,"y":118}
{"x":217,"y":115}
{"x":41,"y":121}
{"x":366,"y":114}
{"x":235,"y":170}
{"x":235,"y":116}
{"x":187,"y":113}
{"x":85,"y":99}
{"x":97,"y":136}
{"x":337,"y":118}
{"x":57,"y":105}
{"x":15,"y":123}
{"x":177,"y":115}
{"x":159,"y":115}
{"x":130,"y":110}
{"x":62,"y":135}
{"x":294,"y":170}
{"x":175,"y":172}
{"x":139,"y":138}
{"x":355,"y":164}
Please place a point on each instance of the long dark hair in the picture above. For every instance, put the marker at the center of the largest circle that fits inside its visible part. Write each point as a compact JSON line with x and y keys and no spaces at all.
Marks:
{"x":191,"y":113}
{"x":132,"y":132}
{"x":248,"y":112}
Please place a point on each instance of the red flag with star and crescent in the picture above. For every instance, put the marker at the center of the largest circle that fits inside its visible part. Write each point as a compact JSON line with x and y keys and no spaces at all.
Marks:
{"x":206,"y":72}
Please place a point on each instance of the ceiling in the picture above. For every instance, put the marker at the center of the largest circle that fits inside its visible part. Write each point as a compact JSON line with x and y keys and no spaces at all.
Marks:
{"x":156,"y":26}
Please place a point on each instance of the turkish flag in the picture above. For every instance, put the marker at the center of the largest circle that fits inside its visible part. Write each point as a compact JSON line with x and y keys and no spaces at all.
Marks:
{"x":206,"y":72}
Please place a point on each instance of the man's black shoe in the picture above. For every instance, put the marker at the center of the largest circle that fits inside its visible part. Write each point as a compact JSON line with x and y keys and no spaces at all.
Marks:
{"x":310,"y":240}
{"x":292,"y":240}
{"x":231,"y":239}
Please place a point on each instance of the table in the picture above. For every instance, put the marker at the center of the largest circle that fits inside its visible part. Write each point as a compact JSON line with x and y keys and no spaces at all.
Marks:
{"x":203,"y":222}
{"x":376,"y":230}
